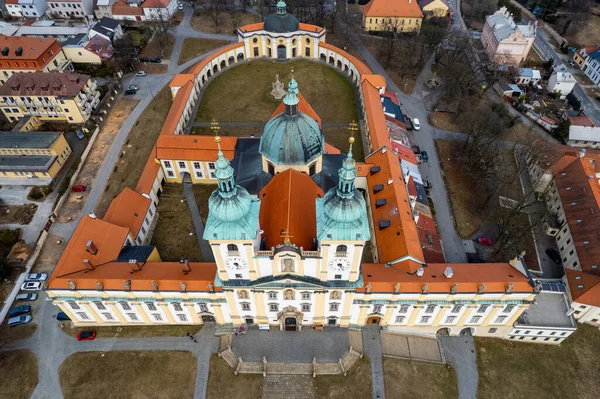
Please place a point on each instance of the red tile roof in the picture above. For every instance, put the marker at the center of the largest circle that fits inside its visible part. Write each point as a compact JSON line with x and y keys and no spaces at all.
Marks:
{"x":430,"y":240}
{"x":393,"y":8}
{"x":177,"y":109}
{"x":44,"y":84}
{"x":128,"y":209}
{"x":193,"y":148}
{"x":148,"y":174}
{"x":32,"y":47}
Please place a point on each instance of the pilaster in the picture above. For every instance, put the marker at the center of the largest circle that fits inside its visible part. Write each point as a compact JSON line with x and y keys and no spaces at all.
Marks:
{"x":389,"y":312}
{"x":235,"y":317}
{"x":324,"y":261}
{"x":116,"y":311}
{"x":93,"y":312}
{"x":192,"y":309}
{"x":440,"y":315}
{"x":142,"y":313}
{"x":492,"y":314}
{"x":167,"y":312}
{"x":354,"y":272}
{"x":345,"y":319}
{"x":465,"y":316}
{"x":319,"y":316}
{"x":413,"y":316}
{"x":516,"y":315}
{"x":259,"y":303}
{"x":362,"y":315}
{"x":249,"y":249}
{"x":216,"y":248}
{"x":219,"y":314}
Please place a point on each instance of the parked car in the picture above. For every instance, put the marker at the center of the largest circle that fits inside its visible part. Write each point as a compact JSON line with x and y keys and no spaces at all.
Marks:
{"x":133,"y":87}
{"x":79,"y":134}
{"x":78,"y":189}
{"x":140,"y":73}
{"x":37,"y":277}
{"x":31,"y":286}
{"x":425,"y":156}
{"x":32,"y":296}
{"x":554,"y":255}
{"x":130,"y":92}
{"x":15,"y":321}
{"x":62,"y":316}
{"x":86,"y":335}
{"x":416,"y":124}
{"x":155,"y":60}
{"x":180,"y":7}
{"x":572,"y":63}
{"x":484,"y":241}
{"x":144,"y":59}
{"x":19,"y":310}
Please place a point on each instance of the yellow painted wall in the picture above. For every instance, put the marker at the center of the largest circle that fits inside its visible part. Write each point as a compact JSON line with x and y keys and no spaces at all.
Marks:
{"x":403,"y":24}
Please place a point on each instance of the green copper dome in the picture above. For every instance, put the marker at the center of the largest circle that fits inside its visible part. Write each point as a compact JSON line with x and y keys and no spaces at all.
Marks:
{"x":232,"y":212}
{"x":292,"y":137}
{"x":342,"y":213}
{"x":281,"y":22}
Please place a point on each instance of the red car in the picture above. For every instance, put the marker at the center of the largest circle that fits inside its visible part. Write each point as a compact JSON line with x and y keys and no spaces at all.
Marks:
{"x":78,"y":189}
{"x":484,"y":241}
{"x":86,"y":335}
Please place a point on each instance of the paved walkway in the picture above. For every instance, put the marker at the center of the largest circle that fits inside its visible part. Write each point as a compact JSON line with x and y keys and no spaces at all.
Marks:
{"x":373,"y":349}
{"x":460,"y":354}
{"x":207,"y":253}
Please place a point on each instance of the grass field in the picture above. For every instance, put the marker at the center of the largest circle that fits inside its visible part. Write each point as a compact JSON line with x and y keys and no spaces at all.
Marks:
{"x":133,"y":331}
{"x":19,"y":370}
{"x":415,"y":380}
{"x":357,"y":384}
{"x":128,"y":374}
{"x":193,"y":47}
{"x":222,"y":383}
{"x":526,"y":370}
{"x":136,"y":150}
{"x":242,"y":94}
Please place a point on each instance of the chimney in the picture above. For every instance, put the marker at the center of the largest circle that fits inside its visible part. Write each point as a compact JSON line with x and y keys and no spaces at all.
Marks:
{"x":91,"y":247}
{"x":448,"y":272}
{"x":185,"y":266}
{"x":135,"y":265}
{"x":420,"y":272}
{"x":390,"y":181}
{"x":93,"y":215}
{"x":88,"y":264}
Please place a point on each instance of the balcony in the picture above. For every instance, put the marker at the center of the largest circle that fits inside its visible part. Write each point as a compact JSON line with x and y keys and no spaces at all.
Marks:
{"x":341,"y":254}
{"x":233,"y":253}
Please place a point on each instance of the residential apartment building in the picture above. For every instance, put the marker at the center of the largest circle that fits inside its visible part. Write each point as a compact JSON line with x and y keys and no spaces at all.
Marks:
{"x":108,"y":28}
{"x":104,"y":9}
{"x":591,"y":67}
{"x":561,"y":81}
{"x":435,"y":8}
{"x":71,"y":8}
{"x":26,"y":8}
{"x":159,"y":9}
{"x":504,"y":41}
{"x":28,"y":54}
{"x":68,"y":97}
{"x":570,"y":182}
{"x":32,"y":158}
{"x":581,"y":55}
{"x":392,"y":15}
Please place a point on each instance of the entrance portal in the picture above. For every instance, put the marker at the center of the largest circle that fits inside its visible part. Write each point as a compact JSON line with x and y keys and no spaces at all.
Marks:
{"x":208,"y":319}
{"x":281,"y":52}
{"x":374,"y":320}
{"x":290,"y":324}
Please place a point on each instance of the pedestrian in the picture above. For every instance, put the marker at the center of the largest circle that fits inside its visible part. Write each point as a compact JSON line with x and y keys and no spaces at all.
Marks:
{"x":188,"y":334}
{"x":195,"y":340}
{"x":235,"y":331}
{"x":192,"y":337}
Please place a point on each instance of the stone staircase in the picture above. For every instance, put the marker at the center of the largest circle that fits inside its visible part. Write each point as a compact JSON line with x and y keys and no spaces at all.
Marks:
{"x":221,"y":329}
{"x":277,"y":386}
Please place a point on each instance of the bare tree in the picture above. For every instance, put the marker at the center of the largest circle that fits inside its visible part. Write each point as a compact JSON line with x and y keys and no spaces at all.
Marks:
{"x":263,"y":7}
{"x":214,"y":9}
{"x":390,"y":42}
{"x":235,"y":11}
{"x":161,"y":26}
{"x":578,"y":13}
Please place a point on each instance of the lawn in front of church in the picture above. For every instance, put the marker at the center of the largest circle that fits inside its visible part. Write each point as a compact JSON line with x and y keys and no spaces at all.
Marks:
{"x":416,"y":379}
{"x":242,"y":93}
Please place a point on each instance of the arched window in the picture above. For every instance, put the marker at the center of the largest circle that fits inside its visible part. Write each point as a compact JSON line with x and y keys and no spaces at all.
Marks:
{"x":341,"y":248}
{"x":307,"y":41}
{"x":232,"y":247}
{"x":270,"y":169}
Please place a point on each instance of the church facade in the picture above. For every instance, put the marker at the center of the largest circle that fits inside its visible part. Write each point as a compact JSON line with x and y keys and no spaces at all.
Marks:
{"x":290,"y":225}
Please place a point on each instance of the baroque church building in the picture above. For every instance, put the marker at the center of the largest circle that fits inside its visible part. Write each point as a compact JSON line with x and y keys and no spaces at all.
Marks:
{"x":289,"y":226}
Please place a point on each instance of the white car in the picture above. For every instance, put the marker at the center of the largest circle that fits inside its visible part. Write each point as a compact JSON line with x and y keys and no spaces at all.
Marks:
{"x":416,"y":124}
{"x":141,"y":73}
{"x":31,"y":286}
{"x":37,"y":277}
{"x":32,"y":296}
{"x":180,"y":7}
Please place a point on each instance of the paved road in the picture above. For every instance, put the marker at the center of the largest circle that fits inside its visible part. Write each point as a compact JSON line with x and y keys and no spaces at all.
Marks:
{"x":431,"y":171}
{"x":374,"y":351}
{"x":460,"y":354}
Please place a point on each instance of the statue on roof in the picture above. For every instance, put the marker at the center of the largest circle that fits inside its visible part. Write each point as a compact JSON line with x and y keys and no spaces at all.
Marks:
{"x":278,"y":91}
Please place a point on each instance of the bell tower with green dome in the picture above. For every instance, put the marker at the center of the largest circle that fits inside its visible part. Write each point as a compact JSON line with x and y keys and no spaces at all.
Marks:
{"x":342,"y":224}
{"x":232,"y":223}
{"x":292,"y":139}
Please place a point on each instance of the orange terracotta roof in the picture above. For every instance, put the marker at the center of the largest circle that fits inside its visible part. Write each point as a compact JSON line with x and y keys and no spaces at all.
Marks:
{"x":193,"y":148}
{"x":375,"y":116}
{"x":303,"y":106}
{"x":122,"y":8}
{"x":311,"y":28}
{"x":177,"y":108}
{"x":584,"y":287}
{"x":363,"y":169}
{"x":253,"y":27}
{"x":391,"y":96}
{"x":108,"y":239}
{"x":329,"y":149}
{"x":148,"y":174}
{"x":376,"y":80}
{"x":128,"y":209}
{"x":430,"y":240}
{"x":360,"y":66}
{"x":168,"y":276}
{"x":196,"y":69}
{"x":288,"y":205}
{"x":393,"y":8}
{"x":156,"y":4}
{"x":412,"y":189}
{"x":400,"y":238}
{"x":467,"y":276}
{"x":181,"y":79}
{"x":32,"y":47}
{"x":404,"y":153}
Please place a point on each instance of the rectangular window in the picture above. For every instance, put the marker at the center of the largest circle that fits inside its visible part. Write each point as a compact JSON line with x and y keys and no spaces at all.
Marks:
{"x":272,"y":295}
{"x":170,"y":173}
{"x":99,"y":305}
{"x":199,"y":175}
{"x":509,"y":308}
{"x":273,"y":307}
{"x":182,"y":317}
{"x":211,"y":165}
{"x":482,"y":308}
{"x":177,"y":307}
{"x":182,"y":164}
{"x":203,"y":307}
{"x":333,"y":307}
{"x":73,"y":305}
{"x":404,"y":308}
{"x":306,"y":296}
{"x":83,"y":316}
{"x":400,"y":319}
{"x":108,"y":316}
{"x":157,"y":317}
{"x":306,"y":307}
{"x":456,"y":308}
{"x":377,"y":308}
{"x":501,"y":319}
{"x":132,"y":316}
{"x":167,"y":164}
{"x":430,"y":309}
{"x":425,"y":319}
{"x":125,"y":306}
{"x":450,"y":319}
{"x":475,"y":319}
{"x":338,"y":276}
{"x":196,"y":165}
{"x":245,"y":306}
{"x":492,"y":330}
{"x":151,"y":306}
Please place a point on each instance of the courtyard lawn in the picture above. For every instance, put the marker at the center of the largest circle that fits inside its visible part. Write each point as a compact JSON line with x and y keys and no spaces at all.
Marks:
{"x":172,"y":233}
{"x":529,"y":370}
{"x":236,"y":131}
{"x":414,"y":379}
{"x":242,"y":94}
{"x":193,"y":47}
{"x":338,"y":137}
{"x":19,"y":370}
{"x":133,"y":331}
{"x":202,"y":192}
{"x":222,"y":383}
{"x":357,"y":384}
{"x":128,"y":374}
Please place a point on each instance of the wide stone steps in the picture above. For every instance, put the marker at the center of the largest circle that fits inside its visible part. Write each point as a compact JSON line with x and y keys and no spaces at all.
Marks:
{"x":277,"y":386}
{"x":230,"y":358}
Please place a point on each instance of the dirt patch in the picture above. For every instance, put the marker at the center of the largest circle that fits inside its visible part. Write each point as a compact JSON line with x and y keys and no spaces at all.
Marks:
{"x":17,"y":214}
{"x":129,"y":374}
{"x":193,"y":47}
{"x":16,"y":333}
{"x":222,"y":383}
{"x":152,"y":50}
{"x":136,"y":150}
{"x":132,"y":331}
{"x":414,"y":379}
{"x":201,"y":21}
{"x":444,"y":120}
{"x":19,"y":371}
{"x":50,"y":254}
{"x":19,"y":254}
{"x":358,"y":381}
{"x":75,"y":201}
{"x":588,"y":34}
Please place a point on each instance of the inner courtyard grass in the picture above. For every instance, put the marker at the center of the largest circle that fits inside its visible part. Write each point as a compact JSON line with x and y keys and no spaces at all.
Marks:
{"x":222,"y":383}
{"x":242,"y":93}
{"x":509,"y":369}
{"x":357,"y":384}
{"x":19,"y":370}
{"x":128,"y":374}
{"x":414,"y":379}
